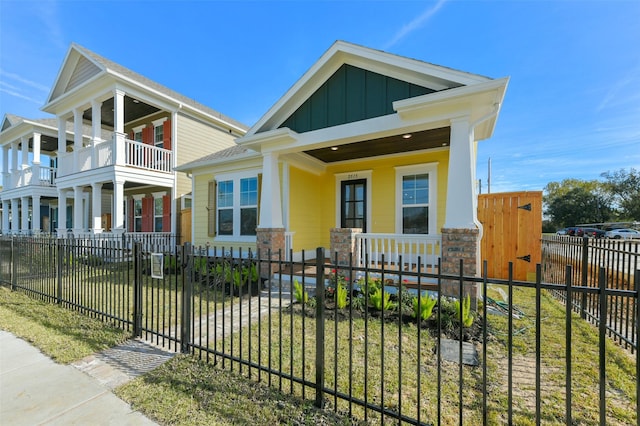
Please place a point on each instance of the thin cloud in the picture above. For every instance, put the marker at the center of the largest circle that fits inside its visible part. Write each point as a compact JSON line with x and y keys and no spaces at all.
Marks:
{"x":21,"y":96}
{"x":415,"y":24}
{"x":24,"y":81}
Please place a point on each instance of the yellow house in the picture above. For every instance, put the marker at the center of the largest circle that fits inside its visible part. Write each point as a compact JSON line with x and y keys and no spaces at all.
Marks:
{"x":368,"y":152}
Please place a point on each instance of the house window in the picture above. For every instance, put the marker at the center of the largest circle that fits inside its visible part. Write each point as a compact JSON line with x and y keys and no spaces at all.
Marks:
{"x":137,"y":136}
{"x":237,"y":206}
{"x":157,"y":214}
{"x":137,"y":215}
{"x":158,"y":135}
{"x":415,"y":201}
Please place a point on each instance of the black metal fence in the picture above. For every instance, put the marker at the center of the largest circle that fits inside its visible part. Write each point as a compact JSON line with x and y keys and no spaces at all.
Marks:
{"x":589,"y":257}
{"x":355,"y":340}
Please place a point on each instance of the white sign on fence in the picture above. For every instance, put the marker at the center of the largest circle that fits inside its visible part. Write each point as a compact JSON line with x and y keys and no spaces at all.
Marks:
{"x":157,"y":268}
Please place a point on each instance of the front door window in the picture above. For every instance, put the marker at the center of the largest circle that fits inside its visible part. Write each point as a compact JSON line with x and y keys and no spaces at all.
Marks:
{"x":353,"y":204}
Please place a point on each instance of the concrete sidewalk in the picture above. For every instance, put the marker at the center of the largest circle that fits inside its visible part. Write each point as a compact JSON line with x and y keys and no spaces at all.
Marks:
{"x":34,"y":390}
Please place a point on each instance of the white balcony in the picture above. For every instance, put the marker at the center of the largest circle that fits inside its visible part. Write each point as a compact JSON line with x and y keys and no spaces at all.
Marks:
{"x":35,"y":175}
{"x":118,"y":151}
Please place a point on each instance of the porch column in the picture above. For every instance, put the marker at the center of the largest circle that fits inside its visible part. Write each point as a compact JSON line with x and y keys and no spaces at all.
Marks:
{"x":118,"y":207}
{"x":96,"y":126}
{"x":62,"y":213}
{"x":36,"y":158}
{"x":14,"y":164}
{"x":77,"y":137}
{"x":24,"y":225}
{"x":15,"y":216}
{"x":5,"y":171}
{"x":118,"y":127}
{"x":62,"y":136}
{"x":24,"y":141}
{"x":77,"y":210}
{"x":96,"y":207}
{"x":35,"y":214}
{"x":5,"y":217}
{"x":270,"y":232}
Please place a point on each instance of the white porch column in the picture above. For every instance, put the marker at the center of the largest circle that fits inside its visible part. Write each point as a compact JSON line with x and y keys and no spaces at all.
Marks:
{"x":6,"y":175}
{"x":77,"y":137}
{"x":62,"y":213}
{"x":36,"y":158}
{"x":35,"y":214}
{"x":62,"y":136}
{"x":24,"y":141}
{"x":96,"y":126}
{"x":77,"y":210}
{"x":96,"y":207}
{"x":15,"y":216}
{"x":24,"y":225}
{"x":460,"y":188}
{"x":5,"y":217}
{"x":14,"y":164}
{"x":118,"y":127}
{"x":118,"y":206}
{"x":271,"y":205}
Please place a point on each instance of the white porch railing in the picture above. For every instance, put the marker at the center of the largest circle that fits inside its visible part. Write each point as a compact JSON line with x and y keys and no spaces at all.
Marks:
{"x":132,"y":153}
{"x":157,"y":242}
{"x":32,"y":175}
{"x":288,"y":245}
{"x":414,"y":250}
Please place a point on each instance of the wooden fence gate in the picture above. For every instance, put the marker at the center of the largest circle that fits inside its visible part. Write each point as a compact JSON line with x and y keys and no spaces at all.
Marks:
{"x":512,"y":229}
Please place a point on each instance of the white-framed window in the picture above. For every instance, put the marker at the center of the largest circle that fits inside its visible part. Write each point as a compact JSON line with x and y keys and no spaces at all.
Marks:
{"x":158,"y":132}
{"x":416,"y":195}
{"x":158,"y":211}
{"x":137,"y":133}
{"x":237,"y":206}
{"x":137,"y":214}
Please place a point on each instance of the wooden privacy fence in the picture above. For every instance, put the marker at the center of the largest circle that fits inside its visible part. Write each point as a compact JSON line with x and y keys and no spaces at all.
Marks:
{"x":512,"y":228}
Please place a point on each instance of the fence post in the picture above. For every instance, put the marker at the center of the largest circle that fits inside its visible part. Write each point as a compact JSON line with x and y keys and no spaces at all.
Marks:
{"x":59,"y":259}
{"x":137,"y":289}
{"x":12,"y":264}
{"x":585,"y":276}
{"x":187,"y":299}
{"x":319,"y":327}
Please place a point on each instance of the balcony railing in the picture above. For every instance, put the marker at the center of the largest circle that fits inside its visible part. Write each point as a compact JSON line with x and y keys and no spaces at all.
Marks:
{"x":399,"y":252}
{"x":117,"y":151}
{"x":35,"y":175}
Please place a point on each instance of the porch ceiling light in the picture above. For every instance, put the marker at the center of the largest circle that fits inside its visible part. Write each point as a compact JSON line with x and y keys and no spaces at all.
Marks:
{"x":406,"y":136}
{"x":334,"y":148}
{"x":135,"y":101}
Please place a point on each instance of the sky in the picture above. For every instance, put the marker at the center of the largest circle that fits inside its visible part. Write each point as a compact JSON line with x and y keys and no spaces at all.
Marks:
{"x":571,"y":110}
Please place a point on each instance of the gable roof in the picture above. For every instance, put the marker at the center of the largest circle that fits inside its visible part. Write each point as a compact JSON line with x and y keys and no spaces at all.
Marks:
{"x":81,"y":66}
{"x":233,"y":153}
{"x":434,"y":78}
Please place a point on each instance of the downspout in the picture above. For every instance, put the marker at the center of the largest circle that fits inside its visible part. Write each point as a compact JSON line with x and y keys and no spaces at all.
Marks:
{"x":490,"y":114}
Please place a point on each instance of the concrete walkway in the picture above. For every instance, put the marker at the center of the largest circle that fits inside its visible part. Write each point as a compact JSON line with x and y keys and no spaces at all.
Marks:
{"x":34,"y":390}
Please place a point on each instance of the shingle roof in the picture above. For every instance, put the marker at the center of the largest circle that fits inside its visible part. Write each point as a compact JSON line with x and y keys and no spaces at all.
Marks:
{"x":144,"y":81}
{"x":230,"y":153}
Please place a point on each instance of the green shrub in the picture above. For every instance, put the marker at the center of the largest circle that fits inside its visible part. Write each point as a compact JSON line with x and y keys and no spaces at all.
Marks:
{"x":423,"y":307}
{"x":299,"y":292}
{"x":381,"y":300}
{"x":463,"y":311}
{"x":341,"y":296}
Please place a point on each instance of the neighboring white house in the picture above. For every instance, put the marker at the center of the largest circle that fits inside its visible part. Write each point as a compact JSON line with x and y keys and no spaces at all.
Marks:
{"x":114,"y":142}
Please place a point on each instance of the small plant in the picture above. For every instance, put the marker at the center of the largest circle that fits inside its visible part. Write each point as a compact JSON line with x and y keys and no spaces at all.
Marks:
{"x":463,"y":311}
{"x":341,"y":297}
{"x":381,"y":300}
{"x":299,"y":292}
{"x":423,"y":307}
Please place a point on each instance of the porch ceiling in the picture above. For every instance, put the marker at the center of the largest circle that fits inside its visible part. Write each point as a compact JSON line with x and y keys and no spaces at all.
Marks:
{"x":427,"y":139}
{"x":133,"y":109}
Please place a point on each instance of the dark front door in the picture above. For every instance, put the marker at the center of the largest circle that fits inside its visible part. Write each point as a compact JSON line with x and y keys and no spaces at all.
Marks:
{"x":353,"y":208}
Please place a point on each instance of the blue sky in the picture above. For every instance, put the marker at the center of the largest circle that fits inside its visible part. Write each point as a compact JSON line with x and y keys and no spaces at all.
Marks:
{"x":572,"y":109}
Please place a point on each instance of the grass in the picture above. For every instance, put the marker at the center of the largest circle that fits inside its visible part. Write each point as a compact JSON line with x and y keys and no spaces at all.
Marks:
{"x":190,"y":391}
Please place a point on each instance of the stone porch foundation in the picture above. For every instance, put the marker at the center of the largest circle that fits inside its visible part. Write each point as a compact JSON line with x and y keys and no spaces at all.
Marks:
{"x":343,"y":243}
{"x":460,"y":244}
{"x":269,"y":239}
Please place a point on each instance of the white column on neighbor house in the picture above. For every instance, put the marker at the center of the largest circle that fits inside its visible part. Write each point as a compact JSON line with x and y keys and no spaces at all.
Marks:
{"x":96,"y":207}
{"x":24,"y":205}
{"x":15,"y":216}
{"x":118,"y":206}
{"x":77,"y":137}
{"x":62,"y":136}
{"x":460,"y":187}
{"x":5,"y":217}
{"x":14,"y":164}
{"x":62,"y":212}
{"x":270,"y":199}
{"x":96,"y":129}
{"x":6,"y":175}
{"x":35,"y":214}
{"x":118,"y":126}
{"x":36,"y":157}
{"x":24,"y":145}
{"x":77,"y":210}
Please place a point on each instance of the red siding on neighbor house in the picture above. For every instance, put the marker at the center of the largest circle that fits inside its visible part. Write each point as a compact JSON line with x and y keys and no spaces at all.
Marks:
{"x":166,"y":213}
{"x":167,"y":134}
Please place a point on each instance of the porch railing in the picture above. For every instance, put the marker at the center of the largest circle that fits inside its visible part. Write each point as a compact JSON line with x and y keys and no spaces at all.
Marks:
{"x":133,"y":154}
{"x":33,"y":175}
{"x":399,"y":252}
